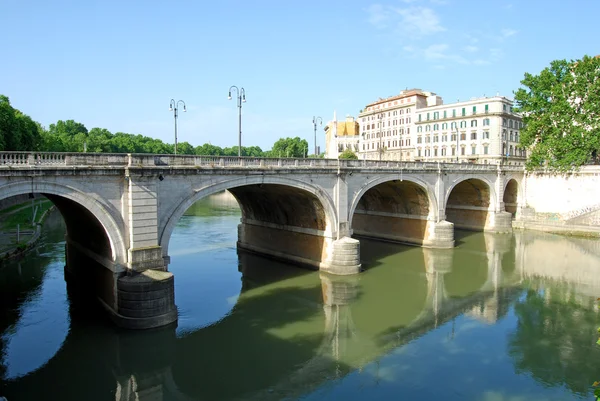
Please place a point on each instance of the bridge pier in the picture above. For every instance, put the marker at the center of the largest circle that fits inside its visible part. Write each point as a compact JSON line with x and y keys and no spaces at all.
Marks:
{"x":498,"y":222}
{"x":307,"y":247}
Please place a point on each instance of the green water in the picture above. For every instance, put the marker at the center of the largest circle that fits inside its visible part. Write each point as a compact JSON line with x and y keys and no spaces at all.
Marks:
{"x":500,"y":317}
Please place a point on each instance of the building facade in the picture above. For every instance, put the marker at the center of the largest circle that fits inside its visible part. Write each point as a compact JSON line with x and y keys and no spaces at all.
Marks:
{"x":417,"y":126}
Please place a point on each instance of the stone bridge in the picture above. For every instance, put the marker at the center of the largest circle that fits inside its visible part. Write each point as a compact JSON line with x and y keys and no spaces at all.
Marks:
{"x":120,"y":211}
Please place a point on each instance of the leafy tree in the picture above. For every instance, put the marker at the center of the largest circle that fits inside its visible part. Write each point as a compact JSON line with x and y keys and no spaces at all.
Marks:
{"x":348,"y":154}
{"x":17,"y":130}
{"x":184,"y":148}
{"x":289,"y":147}
{"x":208,"y":150}
{"x":561,"y":113}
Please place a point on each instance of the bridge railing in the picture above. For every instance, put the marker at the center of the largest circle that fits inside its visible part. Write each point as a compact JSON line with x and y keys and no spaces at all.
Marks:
{"x":50,"y":159}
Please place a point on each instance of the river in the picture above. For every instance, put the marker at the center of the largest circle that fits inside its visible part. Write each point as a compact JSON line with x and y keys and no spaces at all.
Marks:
{"x":498,"y":318}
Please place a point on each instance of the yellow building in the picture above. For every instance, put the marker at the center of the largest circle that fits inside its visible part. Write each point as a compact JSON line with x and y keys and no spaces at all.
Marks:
{"x":341,"y":135}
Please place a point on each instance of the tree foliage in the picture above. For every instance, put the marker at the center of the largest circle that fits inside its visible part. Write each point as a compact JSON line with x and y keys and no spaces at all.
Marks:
{"x":17,"y":130}
{"x":290,"y":147}
{"x":561,"y":113}
{"x":348,"y":154}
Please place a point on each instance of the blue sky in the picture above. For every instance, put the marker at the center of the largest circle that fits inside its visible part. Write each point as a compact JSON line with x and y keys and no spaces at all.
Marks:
{"x":116,"y":64}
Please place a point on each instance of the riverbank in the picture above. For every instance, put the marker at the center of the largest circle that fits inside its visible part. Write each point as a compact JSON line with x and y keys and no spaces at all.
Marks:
{"x":17,"y":232}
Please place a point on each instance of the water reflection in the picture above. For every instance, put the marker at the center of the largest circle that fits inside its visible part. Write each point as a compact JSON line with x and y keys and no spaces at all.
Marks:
{"x":498,"y":317}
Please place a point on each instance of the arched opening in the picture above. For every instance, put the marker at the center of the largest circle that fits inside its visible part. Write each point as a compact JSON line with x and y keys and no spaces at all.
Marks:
{"x":393,"y":210}
{"x":277,"y":222}
{"x":511,"y":191}
{"x":283,"y":221}
{"x":93,"y":259}
{"x":468,"y":204}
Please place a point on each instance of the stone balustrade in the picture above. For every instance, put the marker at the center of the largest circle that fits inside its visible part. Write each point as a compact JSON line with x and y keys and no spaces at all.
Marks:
{"x":55,"y":159}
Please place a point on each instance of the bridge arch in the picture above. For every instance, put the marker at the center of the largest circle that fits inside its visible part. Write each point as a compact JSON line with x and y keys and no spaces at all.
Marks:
{"x":328,"y":226}
{"x":394,"y":209}
{"x":88,"y":202}
{"x":469,"y":201}
{"x":432,"y":201}
{"x":511,"y":195}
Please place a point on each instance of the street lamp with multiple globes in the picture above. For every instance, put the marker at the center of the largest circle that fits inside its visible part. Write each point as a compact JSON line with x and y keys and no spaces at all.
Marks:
{"x":241,"y":97}
{"x":173,"y":107}
{"x":315,"y":121}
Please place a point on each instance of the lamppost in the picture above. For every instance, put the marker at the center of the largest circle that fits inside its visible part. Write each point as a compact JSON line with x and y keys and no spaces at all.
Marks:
{"x":173,"y":107}
{"x":315,"y":121}
{"x":241,"y":98}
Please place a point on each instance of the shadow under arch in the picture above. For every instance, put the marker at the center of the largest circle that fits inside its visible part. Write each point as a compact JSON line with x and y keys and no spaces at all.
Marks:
{"x":468,"y":202}
{"x":328,"y":226}
{"x":432,"y":201}
{"x":391,"y":209}
{"x":511,"y":195}
{"x":87,"y":203}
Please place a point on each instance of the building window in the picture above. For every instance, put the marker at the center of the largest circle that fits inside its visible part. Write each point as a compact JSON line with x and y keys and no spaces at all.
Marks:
{"x":464,"y":111}
{"x":487,"y":108}
{"x":419,"y":139}
{"x":444,"y":125}
{"x":462,"y":151}
{"x":427,"y":139}
{"x":428,"y":127}
{"x":453,"y":151}
{"x":419,"y":118}
{"x":444,"y":113}
{"x":420,"y":128}
{"x":427,"y":116}
{"x":444,"y":138}
{"x":486,"y":134}
{"x":435,"y":138}
{"x":436,"y":127}
{"x":486,"y":122}
{"x":463,"y":124}
{"x":474,"y":109}
{"x":516,"y":137}
{"x":463,"y":137}
{"x":473,"y":149}
{"x":436,"y":115}
{"x":453,"y":137}
{"x":435,"y":152}
{"x":419,"y":152}
{"x":503,"y":107}
{"x":485,"y":149}
{"x":473,"y":123}
{"x":443,"y":151}
{"x":473,"y":135}
{"x":453,"y":125}
{"x":408,"y":131}
{"x":454,"y":113}
{"x":511,"y":136}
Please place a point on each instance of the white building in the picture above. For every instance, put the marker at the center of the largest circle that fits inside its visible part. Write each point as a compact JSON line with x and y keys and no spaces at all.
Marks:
{"x":416,"y":125}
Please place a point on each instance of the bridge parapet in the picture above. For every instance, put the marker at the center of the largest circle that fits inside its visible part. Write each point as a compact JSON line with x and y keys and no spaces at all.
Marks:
{"x":52,"y":159}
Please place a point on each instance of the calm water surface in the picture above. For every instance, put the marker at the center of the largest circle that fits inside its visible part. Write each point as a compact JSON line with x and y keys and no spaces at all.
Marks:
{"x":498,"y":318}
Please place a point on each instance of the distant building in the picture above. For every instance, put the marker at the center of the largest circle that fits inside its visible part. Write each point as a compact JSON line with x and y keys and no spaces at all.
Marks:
{"x":341,"y":135}
{"x":416,"y":126}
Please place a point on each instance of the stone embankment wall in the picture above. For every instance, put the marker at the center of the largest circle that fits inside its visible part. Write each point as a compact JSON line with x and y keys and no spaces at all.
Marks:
{"x":563,"y":202}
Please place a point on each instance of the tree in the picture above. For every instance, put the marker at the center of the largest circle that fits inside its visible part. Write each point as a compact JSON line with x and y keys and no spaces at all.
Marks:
{"x":348,"y":154}
{"x":289,"y":147}
{"x":561,"y":113}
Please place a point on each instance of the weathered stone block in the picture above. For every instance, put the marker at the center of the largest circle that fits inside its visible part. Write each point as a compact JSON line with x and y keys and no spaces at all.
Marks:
{"x":346,"y":263}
